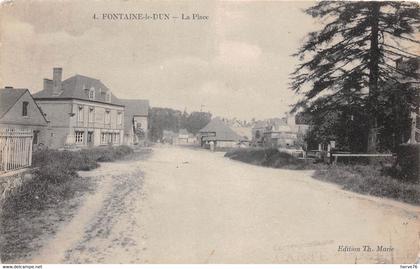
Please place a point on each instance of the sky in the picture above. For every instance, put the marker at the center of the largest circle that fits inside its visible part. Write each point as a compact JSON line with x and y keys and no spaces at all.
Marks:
{"x":235,"y":63}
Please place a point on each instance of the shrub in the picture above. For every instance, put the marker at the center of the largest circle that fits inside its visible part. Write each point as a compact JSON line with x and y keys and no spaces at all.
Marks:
{"x":72,"y":160}
{"x":270,"y":157}
{"x":108,"y":154}
{"x":368,"y":179}
{"x":83,"y":160}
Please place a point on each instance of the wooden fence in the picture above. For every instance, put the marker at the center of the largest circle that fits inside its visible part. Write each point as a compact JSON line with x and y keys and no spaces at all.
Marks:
{"x":336,"y":155}
{"x":15,"y":149}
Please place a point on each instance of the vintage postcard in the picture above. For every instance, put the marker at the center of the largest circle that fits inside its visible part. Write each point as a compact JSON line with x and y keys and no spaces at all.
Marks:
{"x":209,"y":132}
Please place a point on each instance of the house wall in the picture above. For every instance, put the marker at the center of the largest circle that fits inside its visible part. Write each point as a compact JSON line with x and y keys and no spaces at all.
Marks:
{"x":14,"y":115}
{"x":279,"y":139}
{"x":142,"y":120}
{"x":144,"y":123}
{"x":261,"y":134}
{"x":34,"y":120}
{"x":226,"y":144}
{"x":70,"y":116}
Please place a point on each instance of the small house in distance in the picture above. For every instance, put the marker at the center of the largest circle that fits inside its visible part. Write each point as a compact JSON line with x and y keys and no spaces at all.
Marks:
{"x":169,"y":136}
{"x":135,"y":120}
{"x":279,"y":132}
{"x":217,"y":132}
{"x":185,"y":138}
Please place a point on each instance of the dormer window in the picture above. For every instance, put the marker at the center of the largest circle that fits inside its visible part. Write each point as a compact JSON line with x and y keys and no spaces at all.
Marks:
{"x":92,"y":94}
{"x":108,"y":97}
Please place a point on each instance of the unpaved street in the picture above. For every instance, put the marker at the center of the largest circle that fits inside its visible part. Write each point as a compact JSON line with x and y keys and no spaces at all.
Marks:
{"x":193,"y":206}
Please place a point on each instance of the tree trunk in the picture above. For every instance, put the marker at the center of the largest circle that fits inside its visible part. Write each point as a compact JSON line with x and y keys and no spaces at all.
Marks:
{"x":373,"y":76}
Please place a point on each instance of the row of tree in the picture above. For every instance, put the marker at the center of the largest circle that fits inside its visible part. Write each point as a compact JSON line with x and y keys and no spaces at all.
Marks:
{"x":352,"y":87}
{"x":161,"y":119}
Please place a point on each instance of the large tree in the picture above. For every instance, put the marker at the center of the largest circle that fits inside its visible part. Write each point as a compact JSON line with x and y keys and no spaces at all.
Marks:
{"x":351,"y":61}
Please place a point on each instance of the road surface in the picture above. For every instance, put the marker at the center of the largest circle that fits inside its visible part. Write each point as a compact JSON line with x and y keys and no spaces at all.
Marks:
{"x":194,"y":206}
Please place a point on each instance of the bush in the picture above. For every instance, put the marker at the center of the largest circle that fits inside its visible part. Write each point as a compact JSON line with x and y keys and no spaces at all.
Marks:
{"x":368,"y":179}
{"x":408,"y":157}
{"x":71,"y":160}
{"x":83,"y":160}
{"x":56,"y":175}
{"x":270,"y":157}
{"x":108,"y":154}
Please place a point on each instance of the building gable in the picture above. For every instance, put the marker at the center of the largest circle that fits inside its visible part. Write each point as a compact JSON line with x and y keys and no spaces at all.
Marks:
{"x":15,"y":115}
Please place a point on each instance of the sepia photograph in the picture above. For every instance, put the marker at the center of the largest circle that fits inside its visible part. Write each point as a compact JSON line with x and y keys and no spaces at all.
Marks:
{"x":209,"y":132}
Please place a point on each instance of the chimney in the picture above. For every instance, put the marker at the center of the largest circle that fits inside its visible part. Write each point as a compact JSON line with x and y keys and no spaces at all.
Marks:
{"x":48,"y":84}
{"x":57,"y":74}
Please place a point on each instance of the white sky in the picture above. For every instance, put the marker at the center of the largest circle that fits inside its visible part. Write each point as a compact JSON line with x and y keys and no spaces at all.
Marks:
{"x":236,"y":63}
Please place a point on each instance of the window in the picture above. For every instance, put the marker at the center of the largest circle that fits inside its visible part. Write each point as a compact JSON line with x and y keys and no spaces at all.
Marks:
{"x":108,"y":97}
{"x":79,"y":137}
{"x":91,"y":115}
{"x":119,"y":118}
{"x":106,"y":138}
{"x":92,"y":94}
{"x":107,"y":117}
{"x":25,"y":108}
{"x":116,"y":138}
{"x":89,"y":138}
{"x":103,"y":138}
{"x":80,"y":114}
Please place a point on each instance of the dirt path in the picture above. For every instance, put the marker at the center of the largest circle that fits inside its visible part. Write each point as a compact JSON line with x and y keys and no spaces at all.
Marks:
{"x":195,"y":206}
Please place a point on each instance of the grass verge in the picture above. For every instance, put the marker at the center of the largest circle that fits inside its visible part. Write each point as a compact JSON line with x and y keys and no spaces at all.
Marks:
{"x":365,"y":179}
{"x":51,"y":196}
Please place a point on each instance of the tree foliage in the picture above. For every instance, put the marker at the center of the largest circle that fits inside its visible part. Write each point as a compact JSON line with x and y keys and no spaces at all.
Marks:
{"x":174,"y":120}
{"x":350,"y":63}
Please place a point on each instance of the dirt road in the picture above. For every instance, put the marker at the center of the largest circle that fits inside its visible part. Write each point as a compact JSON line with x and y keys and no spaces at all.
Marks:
{"x":193,"y":206}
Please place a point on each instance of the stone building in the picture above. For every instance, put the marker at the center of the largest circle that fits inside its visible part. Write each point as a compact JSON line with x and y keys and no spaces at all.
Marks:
{"x":82,"y":112}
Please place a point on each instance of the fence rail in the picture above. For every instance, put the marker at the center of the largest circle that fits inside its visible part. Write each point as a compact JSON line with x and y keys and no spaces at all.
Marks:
{"x":15,"y":149}
{"x":336,"y":155}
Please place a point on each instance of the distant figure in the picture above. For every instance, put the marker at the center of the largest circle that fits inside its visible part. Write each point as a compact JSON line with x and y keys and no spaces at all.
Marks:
{"x":212,"y":145}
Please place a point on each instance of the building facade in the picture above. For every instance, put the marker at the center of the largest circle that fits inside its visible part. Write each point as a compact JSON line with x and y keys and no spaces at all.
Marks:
{"x":82,"y":112}
{"x":136,"y":121}
{"x":279,"y":132}
{"x":19,"y":111}
{"x":217,"y":133}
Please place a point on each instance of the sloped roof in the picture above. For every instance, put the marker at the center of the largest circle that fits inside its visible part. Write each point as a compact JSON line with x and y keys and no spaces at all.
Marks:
{"x":9,"y":97}
{"x":243,"y":131}
{"x":282,"y":128}
{"x":134,"y":107}
{"x":222,"y":131}
{"x":260,"y":124}
{"x":75,"y":87}
{"x":183,"y":132}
